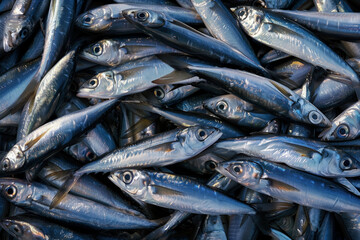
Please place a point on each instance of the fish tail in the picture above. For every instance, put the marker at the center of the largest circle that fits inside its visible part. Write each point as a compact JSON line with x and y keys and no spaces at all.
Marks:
{"x":65,"y":189}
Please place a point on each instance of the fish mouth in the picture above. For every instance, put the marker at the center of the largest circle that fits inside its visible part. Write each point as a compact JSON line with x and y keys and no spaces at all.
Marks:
{"x":7,"y":42}
{"x":353,"y":172}
{"x":327,"y":134}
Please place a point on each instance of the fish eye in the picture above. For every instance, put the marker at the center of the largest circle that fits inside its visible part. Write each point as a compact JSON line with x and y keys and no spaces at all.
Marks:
{"x":201,"y":134}
{"x":210,"y":165}
{"x":93,"y":82}
{"x":97,"y":49}
{"x":315,"y":117}
{"x":221,"y":106}
{"x":87,"y":19}
{"x":24,"y":33}
{"x":16,"y":229}
{"x":346,"y":164}
{"x":142,"y":16}
{"x":237,"y":169}
{"x":10,"y":191}
{"x":242,"y":13}
{"x":159,"y":93}
{"x":5,"y":165}
{"x":127,"y":177}
{"x":90,"y":156}
{"x":342,"y":131}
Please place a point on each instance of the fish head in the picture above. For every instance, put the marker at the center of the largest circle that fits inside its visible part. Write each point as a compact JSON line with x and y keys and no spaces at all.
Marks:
{"x":13,"y":160}
{"x":16,"y":31}
{"x":98,"y":19}
{"x":198,"y":138}
{"x":306,"y":112}
{"x":246,"y":172}
{"x":251,"y":19}
{"x":102,"y":85}
{"x":133,"y":182}
{"x":21,"y":229}
{"x":16,"y":190}
{"x":342,"y":129}
{"x":144,"y":18}
{"x":224,"y":106}
{"x":338,"y":163}
{"x":105,"y":52}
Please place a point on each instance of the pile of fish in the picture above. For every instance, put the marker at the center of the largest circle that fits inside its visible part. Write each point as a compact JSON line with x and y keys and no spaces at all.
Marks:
{"x":180,"y":119}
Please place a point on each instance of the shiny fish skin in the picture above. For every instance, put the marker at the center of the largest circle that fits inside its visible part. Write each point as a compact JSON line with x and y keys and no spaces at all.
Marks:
{"x":286,"y":36}
{"x":51,"y":137}
{"x":300,"y":153}
{"x":184,"y":38}
{"x":109,"y":18}
{"x":264,"y":92}
{"x":113,"y":52}
{"x":36,"y":198}
{"x":289,"y":184}
{"x":222,"y":25}
{"x":176,"y":192}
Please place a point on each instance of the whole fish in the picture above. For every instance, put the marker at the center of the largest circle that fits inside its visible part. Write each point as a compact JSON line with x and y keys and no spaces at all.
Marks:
{"x":184,"y":38}
{"x":161,"y":150}
{"x":110,"y":19}
{"x":289,"y":37}
{"x":113,"y":52}
{"x":47,"y":97}
{"x":266,"y":93}
{"x":341,"y":25}
{"x":25,"y":14}
{"x":235,"y":110}
{"x":36,"y":197}
{"x":345,"y":126}
{"x":222,"y":25}
{"x":52,"y":137}
{"x":289,"y":184}
{"x":175,"y":192}
{"x":303,"y":154}
{"x":129,"y":78}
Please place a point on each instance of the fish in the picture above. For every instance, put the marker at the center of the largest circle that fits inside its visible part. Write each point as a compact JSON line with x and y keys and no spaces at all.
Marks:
{"x":175,"y":192}
{"x":161,"y":150}
{"x":274,"y":180}
{"x":289,"y":37}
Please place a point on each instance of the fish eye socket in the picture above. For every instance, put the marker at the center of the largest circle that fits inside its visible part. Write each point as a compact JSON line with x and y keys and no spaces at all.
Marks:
{"x":10,"y":191}
{"x":342,"y":131}
{"x":159,"y":93}
{"x":201,"y":134}
{"x":87,"y":19}
{"x":142,"y":16}
{"x":315,"y":117}
{"x":93,"y":82}
{"x":221,"y":106}
{"x":24,"y":33}
{"x":242,"y":13}
{"x":5,"y":164}
{"x":97,"y":50}
{"x":210,"y":165}
{"x":16,"y":229}
{"x":346,"y":164}
{"x":127,"y":177}
{"x":90,"y":156}
{"x":237,"y":169}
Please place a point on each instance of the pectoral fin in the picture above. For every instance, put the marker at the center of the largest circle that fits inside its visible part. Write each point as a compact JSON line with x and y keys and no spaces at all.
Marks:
{"x":160,"y":190}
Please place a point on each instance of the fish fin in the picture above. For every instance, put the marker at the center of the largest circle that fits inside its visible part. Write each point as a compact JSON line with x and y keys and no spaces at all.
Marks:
{"x":282,"y":186}
{"x":164,"y":147}
{"x":174,"y":77}
{"x":32,"y":142}
{"x":283,"y":30}
{"x":160,"y":190}
{"x":174,"y":61}
{"x":284,"y":79}
{"x":60,"y":175}
{"x":303,"y":151}
{"x":281,"y":89}
{"x":140,"y":105}
{"x":138,"y":127}
{"x":65,"y":189}
{"x":348,"y":185}
{"x":272,"y":207}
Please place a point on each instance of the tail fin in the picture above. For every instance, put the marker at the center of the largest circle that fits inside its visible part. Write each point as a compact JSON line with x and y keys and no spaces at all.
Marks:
{"x":65,"y":189}
{"x":139,"y":105}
